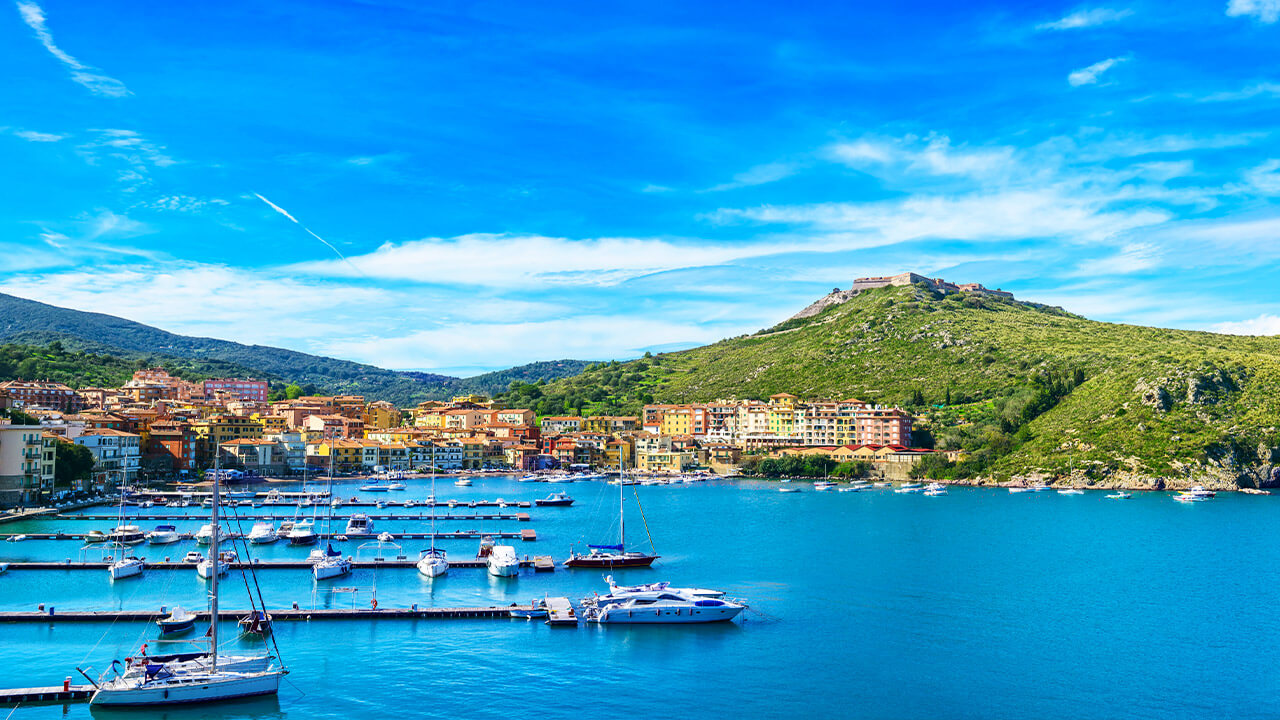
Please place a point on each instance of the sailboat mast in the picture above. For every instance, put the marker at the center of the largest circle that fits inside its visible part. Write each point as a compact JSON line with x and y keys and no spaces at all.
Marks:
{"x":622,"y":499}
{"x":214,"y":559}
{"x":433,"y":498}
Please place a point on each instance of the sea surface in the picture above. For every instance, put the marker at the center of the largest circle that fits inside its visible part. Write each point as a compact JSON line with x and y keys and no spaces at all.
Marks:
{"x":977,"y":604}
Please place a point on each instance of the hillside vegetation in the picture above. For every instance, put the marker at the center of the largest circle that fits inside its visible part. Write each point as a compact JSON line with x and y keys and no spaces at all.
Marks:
{"x":1024,"y":388}
{"x":28,"y":323}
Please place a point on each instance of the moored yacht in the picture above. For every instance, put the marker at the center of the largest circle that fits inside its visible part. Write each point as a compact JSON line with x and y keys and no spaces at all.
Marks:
{"x":126,"y":567}
{"x":662,"y":608}
{"x":433,"y":562}
{"x":1071,"y":491}
{"x":127,"y":535}
{"x":163,"y":535}
{"x":359,"y":524}
{"x":619,"y":591}
{"x":263,"y":533}
{"x":204,"y":535}
{"x":560,"y":499}
{"x":329,"y":564}
{"x":303,"y":532}
{"x":177,"y":621}
{"x":502,"y":561}
{"x":205,"y":568}
{"x":935,"y":489}
{"x":1195,"y":494}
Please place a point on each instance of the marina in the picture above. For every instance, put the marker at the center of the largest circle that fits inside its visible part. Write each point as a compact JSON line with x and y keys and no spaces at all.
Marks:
{"x":924,"y":580}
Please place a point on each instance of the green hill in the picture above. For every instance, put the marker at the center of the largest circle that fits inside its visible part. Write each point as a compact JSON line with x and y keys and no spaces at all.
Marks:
{"x":30,"y":324}
{"x":1024,"y":388}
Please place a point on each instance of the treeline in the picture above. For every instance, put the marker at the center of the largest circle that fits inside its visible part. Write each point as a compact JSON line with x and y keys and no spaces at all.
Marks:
{"x":987,"y":436}
{"x":79,"y":369}
{"x":604,"y":388}
{"x":806,"y":466}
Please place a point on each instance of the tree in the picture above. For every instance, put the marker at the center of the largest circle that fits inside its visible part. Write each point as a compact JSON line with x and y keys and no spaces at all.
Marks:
{"x":73,"y":462}
{"x":293,"y":391}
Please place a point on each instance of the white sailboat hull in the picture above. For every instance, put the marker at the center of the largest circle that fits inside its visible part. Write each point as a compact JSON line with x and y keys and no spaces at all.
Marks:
{"x":504,"y":569}
{"x":125,"y":568}
{"x":205,"y":569}
{"x":433,"y":567}
{"x":326,"y":570}
{"x":187,"y":689}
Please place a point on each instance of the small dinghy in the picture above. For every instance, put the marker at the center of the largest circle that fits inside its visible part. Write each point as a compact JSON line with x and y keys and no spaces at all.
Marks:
{"x":178,"y":621}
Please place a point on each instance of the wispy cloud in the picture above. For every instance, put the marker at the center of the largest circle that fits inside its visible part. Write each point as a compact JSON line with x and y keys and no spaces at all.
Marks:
{"x":1090,"y":75}
{"x":1086,"y":18}
{"x":91,"y":78}
{"x":327,"y":244}
{"x":33,"y":136}
{"x":758,"y":175}
{"x":1268,"y":89}
{"x":1266,"y":11}
{"x":134,"y":155}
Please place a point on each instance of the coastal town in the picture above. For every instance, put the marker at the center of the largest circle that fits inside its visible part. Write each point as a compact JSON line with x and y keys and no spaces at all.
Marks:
{"x":159,"y":428}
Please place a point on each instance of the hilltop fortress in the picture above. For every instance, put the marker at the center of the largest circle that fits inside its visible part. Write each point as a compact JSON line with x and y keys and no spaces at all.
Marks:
{"x":838,"y":296}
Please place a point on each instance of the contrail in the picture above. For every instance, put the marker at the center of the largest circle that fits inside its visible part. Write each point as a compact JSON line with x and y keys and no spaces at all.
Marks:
{"x":327,"y":244}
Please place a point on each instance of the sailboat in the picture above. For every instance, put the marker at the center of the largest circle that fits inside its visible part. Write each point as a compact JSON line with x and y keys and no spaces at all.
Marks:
{"x":613,"y":556}
{"x":433,"y":562}
{"x":329,"y":563}
{"x":123,"y":566}
{"x":165,"y":684}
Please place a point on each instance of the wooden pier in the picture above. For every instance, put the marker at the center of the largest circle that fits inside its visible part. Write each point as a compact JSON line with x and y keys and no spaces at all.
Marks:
{"x":27,"y":696}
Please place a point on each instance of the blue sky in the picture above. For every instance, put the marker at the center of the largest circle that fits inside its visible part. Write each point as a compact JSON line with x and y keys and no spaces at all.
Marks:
{"x":471,"y":186}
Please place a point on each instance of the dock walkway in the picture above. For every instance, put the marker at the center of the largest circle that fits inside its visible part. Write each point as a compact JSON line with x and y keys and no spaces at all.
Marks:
{"x":291,"y":614}
{"x":24,"y":696}
{"x":396,"y":562}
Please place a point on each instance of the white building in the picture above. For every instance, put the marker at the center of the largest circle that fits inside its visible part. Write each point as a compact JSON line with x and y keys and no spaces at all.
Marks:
{"x":21,"y":464}
{"x":117,"y":455}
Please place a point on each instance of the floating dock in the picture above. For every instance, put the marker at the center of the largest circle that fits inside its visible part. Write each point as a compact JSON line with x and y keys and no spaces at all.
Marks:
{"x":526,"y":535}
{"x":292,"y":614}
{"x":560,"y":612}
{"x":386,"y":562}
{"x":60,"y":694}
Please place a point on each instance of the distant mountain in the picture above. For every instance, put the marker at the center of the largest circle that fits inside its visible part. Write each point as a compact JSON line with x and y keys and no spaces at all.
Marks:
{"x":30,"y":323}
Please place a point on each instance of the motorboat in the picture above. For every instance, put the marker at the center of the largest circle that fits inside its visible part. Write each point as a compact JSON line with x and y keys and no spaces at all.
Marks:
{"x":127,"y":535}
{"x":163,"y":535}
{"x":273,"y":497}
{"x":381,"y":505}
{"x":1020,"y":489}
{"x":193,"y":557}
{"x":503,"y":561}
{"x":788,"y":490}
{"x":257,"y":622}
{"x":535,"y":609}
{"x":662,"y":608}
{"x":1070,"y":491}
{"x":20,"y":537}
{"x":463,"y":482}
{"x":126,"y":567}
{"x":823,"y":485}
{"x":935,"y":489}
{"x":433,"y":562}
{"x":559,"y":499}
{"x":410,"y":504}
{"x":95,"y":536}
{"x":359,"y":524}
{"x":1120,"y":495}
{"x":374,"y":487}
{"x":285,"y":528}
{"x":329,"y":563}
{"x":303,"y":533}
{"x":529,"y":478}
{"x":205,"y":568}
{"x":337,"y":503}
{"x":1195,"y":494}
{"x":560,"y":478}
{"x":178,"y":620}
{"x":263,"y":533}
{"x":1040,"y":488}
{"x":397,"y":486}
{"x":908,"y":488}
{"x":386,"y":537}
{"x":204,"y":535}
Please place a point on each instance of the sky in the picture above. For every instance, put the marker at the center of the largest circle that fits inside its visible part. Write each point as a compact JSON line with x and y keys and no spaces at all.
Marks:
{"x":460,"y":187}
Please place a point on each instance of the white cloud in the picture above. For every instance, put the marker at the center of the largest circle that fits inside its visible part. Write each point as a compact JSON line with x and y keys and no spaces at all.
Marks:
{"x":527,"y":260}
{"x":651,"y":188}
{"x":1265,"y":324}
{"x":931,"y":155}
{"x":1090,"y":75}
{"x":758,"y":175}
{"x":1132,"y":258}
{"x":1086,"y":18}
{"x":33,"y":136}
{"x":1269,"y":89}
{"x":1267,"y":11}
{"x":1265,"y":178}
{"x":97,"y":83}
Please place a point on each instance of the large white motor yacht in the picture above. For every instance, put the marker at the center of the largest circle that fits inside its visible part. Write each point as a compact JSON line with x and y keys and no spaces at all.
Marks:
{"x":263,"y":533}
{"x":359,"y":524}
{"x":662,"y":608}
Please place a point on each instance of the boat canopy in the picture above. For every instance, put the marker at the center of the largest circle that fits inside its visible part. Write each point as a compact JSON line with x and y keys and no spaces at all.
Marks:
{"x":331,"y":552}
{"x":619,"y":548}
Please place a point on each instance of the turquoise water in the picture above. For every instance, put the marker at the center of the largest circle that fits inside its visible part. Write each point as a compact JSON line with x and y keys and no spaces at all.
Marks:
{"x":977,"y":604}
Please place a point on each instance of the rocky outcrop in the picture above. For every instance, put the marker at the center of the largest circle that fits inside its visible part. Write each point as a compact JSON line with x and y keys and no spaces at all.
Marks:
{"x":835,"y":297}
{"x":1153,"y":395}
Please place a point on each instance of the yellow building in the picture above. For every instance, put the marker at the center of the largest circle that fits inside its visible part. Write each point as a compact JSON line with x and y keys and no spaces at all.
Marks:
{"x":666,"y":461}
{"x":272,"y":423}
{"x":225,"y":428}
{"x":381,"y":414}
{"x":481,"y":400}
